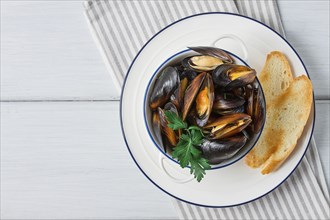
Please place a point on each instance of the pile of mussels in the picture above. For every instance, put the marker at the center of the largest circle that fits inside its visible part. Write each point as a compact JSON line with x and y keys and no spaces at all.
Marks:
{"x":212,"y":92}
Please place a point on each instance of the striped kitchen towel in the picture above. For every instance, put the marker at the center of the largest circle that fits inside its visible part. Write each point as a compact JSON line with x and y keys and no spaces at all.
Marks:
{"x":120,"y":29}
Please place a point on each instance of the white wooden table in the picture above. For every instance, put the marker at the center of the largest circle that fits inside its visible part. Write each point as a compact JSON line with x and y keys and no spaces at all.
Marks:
{"x":62,"y":153}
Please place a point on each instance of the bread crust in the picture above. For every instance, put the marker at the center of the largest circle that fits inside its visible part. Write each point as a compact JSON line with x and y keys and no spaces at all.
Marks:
{"x":305,"y":100}
{"x":269,"y":78}
{"x":279,"y":139}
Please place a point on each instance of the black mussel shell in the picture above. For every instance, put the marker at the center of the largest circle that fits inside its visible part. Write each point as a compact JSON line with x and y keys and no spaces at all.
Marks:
{"x":204,"y":101}
{"x":217,"y":151}
{"x":157,"y":128}
{"x":239,"y":109}
{"x":215,"y":52}
{"x":189,"y":74}
{"x":168,"y":134}
{"x":178,"y":95}
{"x":227,"y":100}
{"x":165,"y":85}
{"x":191,"y":93}
{"x":255,"y":107}
{"x":228,"y":125}
{"x":231,"y":76}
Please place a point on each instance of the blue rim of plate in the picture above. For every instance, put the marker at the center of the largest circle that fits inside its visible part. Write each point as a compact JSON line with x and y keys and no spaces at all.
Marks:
{"x":123,"y":88}
{"x":218,"y":166}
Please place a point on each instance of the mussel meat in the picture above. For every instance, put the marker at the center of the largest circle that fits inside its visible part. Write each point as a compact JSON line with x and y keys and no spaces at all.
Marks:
{"x":214,"y":52}
{"x":217,"y":151}
{"x":201,"y":63}
{"x":204,"y":101}
{"x":164,"y":87}
{"x":157,"y":128}
{"x":230,"y":76}
{"x":169,"y":134}
{"x":191,"y":93}
{"x":228,"y":125}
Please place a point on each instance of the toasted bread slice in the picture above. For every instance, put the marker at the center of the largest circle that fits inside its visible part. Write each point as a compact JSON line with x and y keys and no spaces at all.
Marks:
{"x":276,"y":75}
{"x":275,"y":78}
{"x":290,"y":113}
{"x":285,"y":121}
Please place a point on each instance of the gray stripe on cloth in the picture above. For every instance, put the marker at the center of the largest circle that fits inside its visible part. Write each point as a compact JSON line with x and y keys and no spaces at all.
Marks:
{"x":117,"y":28}
{"x":178,"y":206}
{"x":291,"y":199}
{"x":124,"y":27}
{"x":111,"y":37}
{"x":200,"y":213}
{"x":121,"y":28}
{"x":298,"y":188}
{"x":263,"y":206}
{"x":287,"y":207}
{"x":312,"y":195}
{"x":208,"y":213}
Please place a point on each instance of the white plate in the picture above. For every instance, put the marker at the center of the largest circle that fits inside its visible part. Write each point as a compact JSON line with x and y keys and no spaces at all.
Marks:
{"x":235,"y":184}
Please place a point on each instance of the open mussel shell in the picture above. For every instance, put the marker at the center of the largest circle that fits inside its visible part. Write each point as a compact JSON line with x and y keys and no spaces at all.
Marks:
{"x":239,"y":109}
{"x":227,"y":100}
{"x":191,"y":93}
{"x":217,"y":151}
{"x":254,"y":106}
{"x":157,"y":128}
{"x":214,"y":52}
{"x":178,"y":95}
{"x":204,"y":101}
{"x":165,"y":85}
{"x":230,"y":76}
{"x":168,"y":134}
{"x":228,"y":125}
{"x":201,"y":63}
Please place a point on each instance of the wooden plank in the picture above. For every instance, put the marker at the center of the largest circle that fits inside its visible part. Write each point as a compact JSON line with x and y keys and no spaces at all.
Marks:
{"x":48,"y":53}
{"x":68,"y":160}
{"x":306,"y":25}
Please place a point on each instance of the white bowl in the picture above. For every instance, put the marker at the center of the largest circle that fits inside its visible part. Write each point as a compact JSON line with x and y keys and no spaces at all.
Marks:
{"x":172,"y":61}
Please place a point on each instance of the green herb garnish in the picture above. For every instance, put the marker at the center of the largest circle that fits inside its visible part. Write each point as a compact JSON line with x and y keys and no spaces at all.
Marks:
{"x":186,"y":150}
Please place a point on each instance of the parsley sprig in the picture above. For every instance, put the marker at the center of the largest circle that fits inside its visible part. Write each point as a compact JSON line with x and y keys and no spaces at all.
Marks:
{"x":186,"y":150}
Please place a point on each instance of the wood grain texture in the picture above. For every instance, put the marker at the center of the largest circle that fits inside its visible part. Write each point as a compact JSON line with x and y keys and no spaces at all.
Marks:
{"x":68,"y":160}
{"x":48,"y":52}
{"x":306,"y":24}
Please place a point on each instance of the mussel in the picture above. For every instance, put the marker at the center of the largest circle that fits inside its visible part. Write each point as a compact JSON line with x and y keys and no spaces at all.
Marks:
{"x":157,"y":128}
{"x":254,"y":106}
{"x":191,"y":93}
{"x":239,"y":109}
{"x":217,"y":151}
{"x":177,"y":96}
{"x":230,"y":76}
{"x":226,"y":101}
{"x":169,"y":135}
{"x":228,"y":125}
{"x":204,"y":101}
{"x":214,"y":52}
{"x":201,"y":63}
{"x":164,"y":87}
{"x":189,"y":74}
